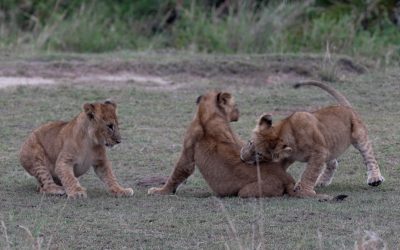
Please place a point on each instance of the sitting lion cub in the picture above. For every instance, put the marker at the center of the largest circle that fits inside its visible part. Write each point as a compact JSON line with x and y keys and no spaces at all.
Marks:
{"x":317,"y":138}
{"x":58,"y":152}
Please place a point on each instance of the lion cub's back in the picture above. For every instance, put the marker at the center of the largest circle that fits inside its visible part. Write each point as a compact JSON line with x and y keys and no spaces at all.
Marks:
{"x":335,"y":120}
{"x":45,"y":137}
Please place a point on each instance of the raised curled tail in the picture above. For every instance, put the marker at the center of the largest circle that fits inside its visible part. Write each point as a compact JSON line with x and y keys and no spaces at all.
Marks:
{"x":333,"y":92}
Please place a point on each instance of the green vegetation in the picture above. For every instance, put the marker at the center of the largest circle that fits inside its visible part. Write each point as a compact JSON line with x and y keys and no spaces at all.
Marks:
{"x":355,"y":28}
{"x":153,"y":120}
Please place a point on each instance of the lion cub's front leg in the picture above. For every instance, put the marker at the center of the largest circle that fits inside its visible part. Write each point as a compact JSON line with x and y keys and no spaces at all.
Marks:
{"x":183,"y":169}
{"x":305,"y":187}
{"x":65,"y":172}
{"x":325,"y":178}
{"x":104,"y":171}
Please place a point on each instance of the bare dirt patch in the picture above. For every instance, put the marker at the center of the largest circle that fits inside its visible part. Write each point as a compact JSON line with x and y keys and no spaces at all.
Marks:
{"x":170,"y":75}
{"x":14,"y":81}
{"x":143,"y":80}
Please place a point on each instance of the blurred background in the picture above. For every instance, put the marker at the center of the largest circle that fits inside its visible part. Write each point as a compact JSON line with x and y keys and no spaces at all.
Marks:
{"x":358,"y":28}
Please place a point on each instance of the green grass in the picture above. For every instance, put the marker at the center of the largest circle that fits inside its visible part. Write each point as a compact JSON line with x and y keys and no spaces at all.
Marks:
{"x":245,"y":27}
{"x":152,"y":127}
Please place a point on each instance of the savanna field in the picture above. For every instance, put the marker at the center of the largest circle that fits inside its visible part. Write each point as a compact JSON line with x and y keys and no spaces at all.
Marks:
{"x":154,"y":113}
{"x":154,"y":58}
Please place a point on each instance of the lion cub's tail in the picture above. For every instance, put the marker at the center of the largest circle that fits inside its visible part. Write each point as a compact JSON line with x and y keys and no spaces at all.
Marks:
{"x":333,"y":92}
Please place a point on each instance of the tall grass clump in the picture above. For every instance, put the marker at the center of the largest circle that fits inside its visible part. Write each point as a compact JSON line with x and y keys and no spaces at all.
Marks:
{"x":79,"y":26}
{"x":356,"y":28}
{"x":246,"y":27}
{"x":353,"y":29}
{"x":88,"y":29}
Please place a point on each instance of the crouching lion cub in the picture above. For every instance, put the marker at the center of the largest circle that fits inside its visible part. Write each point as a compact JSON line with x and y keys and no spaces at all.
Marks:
{"x":58,"y":152}
{"x":316,"y":138}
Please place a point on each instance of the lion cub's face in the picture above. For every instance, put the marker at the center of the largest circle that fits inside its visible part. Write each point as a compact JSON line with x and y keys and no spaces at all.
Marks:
{"x":280,"y":152}
{"x":103,"y":122}
{"x":265,"y":144}
{"x":227,"y":102}
{"x":218,"y":102}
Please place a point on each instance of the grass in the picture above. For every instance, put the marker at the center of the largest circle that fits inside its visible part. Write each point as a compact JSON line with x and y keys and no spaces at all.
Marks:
{"x":153,"y":123}
{"x":244,"y":27}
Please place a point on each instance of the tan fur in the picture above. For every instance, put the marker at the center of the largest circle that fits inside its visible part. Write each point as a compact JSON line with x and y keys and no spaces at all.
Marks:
{"x":214,"y":148}
{"x":316,"y":138}
{"x":58,"y":152}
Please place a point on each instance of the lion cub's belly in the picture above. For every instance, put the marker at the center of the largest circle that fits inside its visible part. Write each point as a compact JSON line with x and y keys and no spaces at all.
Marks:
{"x":338,"y":142}
{"x":82,"y":165}
{"x":217,"y":172}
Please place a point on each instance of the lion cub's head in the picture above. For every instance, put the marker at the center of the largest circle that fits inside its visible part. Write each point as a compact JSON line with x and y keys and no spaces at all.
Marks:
{"x":103,"y":123}
{"x":221,"y":104}
{"x":265,"y":145}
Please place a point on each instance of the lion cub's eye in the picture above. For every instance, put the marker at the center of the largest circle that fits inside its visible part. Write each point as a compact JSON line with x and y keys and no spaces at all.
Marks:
{"x":259,"y":156}
{"x":110,"y":127}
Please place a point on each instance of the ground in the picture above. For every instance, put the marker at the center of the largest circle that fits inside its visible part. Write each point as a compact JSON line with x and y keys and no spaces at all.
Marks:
{"x":156,"y":95}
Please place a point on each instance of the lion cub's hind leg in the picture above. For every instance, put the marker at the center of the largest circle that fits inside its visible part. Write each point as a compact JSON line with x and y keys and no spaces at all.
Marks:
{"x":326,"y":177}
{"x":362,"y":143}
{"x":34,"y":160}
{"x":269,"y":187}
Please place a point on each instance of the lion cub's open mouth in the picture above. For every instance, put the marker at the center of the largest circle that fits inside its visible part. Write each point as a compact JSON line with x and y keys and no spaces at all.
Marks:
{"x":111,"y":145}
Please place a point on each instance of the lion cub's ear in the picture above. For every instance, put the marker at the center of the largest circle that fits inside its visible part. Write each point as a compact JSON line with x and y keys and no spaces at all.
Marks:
{"x":89,"y":110}
{"x":265,"y":120}
{"x":223,"y":97}
{"x":110,"y":102}
{"x":198,"y":100}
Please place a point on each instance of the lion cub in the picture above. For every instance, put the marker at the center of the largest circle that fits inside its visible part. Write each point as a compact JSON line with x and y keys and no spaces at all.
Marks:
{"x":213,"y":147}
{"x":317,"y":138}
{"x":58,"y":152}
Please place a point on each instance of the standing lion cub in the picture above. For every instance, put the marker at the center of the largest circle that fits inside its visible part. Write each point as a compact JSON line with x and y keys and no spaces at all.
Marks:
{"x":317,"y":138}
{"x":58,"y":152}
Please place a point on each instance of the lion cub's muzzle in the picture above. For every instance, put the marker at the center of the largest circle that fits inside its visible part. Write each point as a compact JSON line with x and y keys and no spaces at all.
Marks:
{"x":113,"y":142}
{"x":248,"y":153}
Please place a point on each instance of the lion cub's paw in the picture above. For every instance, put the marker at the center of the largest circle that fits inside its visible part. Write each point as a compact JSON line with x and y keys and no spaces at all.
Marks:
{"x":53,"y":190}
{"x":300,"y":191}
{"x":77,"y":193}
{"x":128,"y":191}
{"x":123,"y":192}
{"x":324,"y":197}
{"x":155,"y":190}
{"x":375,"y":181}
{"x":323,"y":183}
